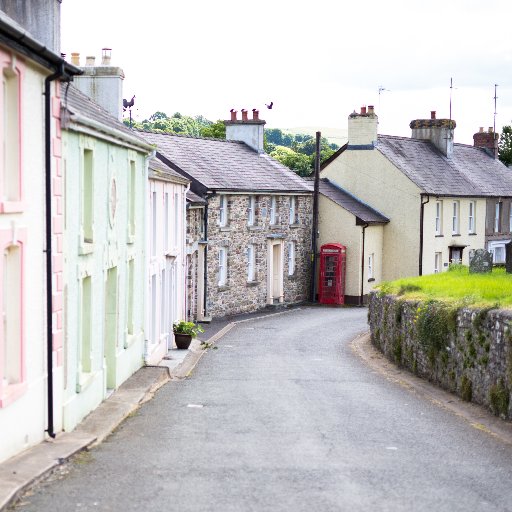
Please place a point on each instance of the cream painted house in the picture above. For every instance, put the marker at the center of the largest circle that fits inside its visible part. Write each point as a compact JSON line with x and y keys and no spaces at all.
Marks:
{"x":433,"y":192}
{"x":105,"y":167}
{"x":31,"y":278}
{"x":165,"y":256}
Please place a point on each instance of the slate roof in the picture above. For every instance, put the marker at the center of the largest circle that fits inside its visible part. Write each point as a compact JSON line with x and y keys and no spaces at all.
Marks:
{"x":159,"y":171}
{"x":350,"y":203}
{"x":225,"y":165}
{"x":469,"y":172}
{"x":194,"y":198}
{"x":76,"y":102}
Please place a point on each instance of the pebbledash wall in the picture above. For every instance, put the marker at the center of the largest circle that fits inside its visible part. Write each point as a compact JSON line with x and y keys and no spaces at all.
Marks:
{"x":466,"y":351}
{"x":240,"y":295}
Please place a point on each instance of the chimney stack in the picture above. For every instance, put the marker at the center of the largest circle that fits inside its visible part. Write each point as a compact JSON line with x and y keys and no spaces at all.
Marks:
{"x":362,"y":128}
{"x":103,"y":84}
{"x":487,"y":141}
{"x":246,"y":130}
{"x":438,"y":131}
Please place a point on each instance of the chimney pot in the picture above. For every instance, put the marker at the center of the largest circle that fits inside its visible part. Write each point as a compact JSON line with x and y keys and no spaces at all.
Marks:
{"x":244,"y":115}
{"x":363,"y":110}
{"x":490,"y":129}
{"x":255,"y":114}
{"x":371,"y":109}
{"x":75,"y":59}
{"x":481,"y":130}
{"x":432,"y":114}
{"x":233,"y":114}
{"x":106,"y":55}
{"x":90,"y":60}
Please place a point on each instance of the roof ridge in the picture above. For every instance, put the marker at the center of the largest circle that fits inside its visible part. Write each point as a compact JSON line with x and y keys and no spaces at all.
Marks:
{"x":187,"y":136}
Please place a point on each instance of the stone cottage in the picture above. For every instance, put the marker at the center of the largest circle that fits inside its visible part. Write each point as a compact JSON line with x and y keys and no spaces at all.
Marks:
{"x":257,"y":220}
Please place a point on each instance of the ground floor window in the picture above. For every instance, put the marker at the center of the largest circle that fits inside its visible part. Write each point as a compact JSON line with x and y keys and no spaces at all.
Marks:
{"x":438,"y":262}
{"x":291,"y":258}
{"x":497,"y":249}
{"x":223,"y":266}
{"x":251,"y":263}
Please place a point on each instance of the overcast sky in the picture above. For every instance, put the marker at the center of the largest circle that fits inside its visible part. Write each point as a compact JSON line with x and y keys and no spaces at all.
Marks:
{"x":317,"y":60}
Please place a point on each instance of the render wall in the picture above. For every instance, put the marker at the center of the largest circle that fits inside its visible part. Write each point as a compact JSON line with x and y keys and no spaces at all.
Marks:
{"x":239,"y":295}
{"x":23,"y":410}
{"x":338,"y":225}
{"x":369,"y":176}
{"x":117,"y":353}
{"x":468,"y":352}
{"x":195,"y":234}
{"x":433,"y":243}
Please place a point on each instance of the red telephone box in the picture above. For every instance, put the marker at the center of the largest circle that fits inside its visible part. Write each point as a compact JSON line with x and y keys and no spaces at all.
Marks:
{"x":331,"y":289}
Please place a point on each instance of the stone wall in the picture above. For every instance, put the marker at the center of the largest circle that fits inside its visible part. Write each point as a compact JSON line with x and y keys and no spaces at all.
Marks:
{"x":466,"y":351}
{"x":194,"y":236}
{"x":239,"y":295}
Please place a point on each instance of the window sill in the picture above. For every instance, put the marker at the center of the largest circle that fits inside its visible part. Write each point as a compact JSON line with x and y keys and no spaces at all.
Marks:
{"x":274,"y":226}
{"x":292,"y":277}
{"x":371,"y":280}
{"x":84,"y":381}
{"x":295,"y":226}
{"x":471,"y":234}
{"x":455,"y":234}
{"x":439,"y":236}
{"x":129,"y":340}
{"x":253,"y":283}
{"x":85,"y":248}
{"x":222,"y":287}
{"x":12,"y":206}
{"x":255,"y":228}
{"x":225,"y":228}
{"x":11,"y":393}
{"x":130,"y":239}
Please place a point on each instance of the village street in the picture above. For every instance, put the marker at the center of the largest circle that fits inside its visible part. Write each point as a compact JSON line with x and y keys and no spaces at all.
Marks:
{"x":283,"y":416}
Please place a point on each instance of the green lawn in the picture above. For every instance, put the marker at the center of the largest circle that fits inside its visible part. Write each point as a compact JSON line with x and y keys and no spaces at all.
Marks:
{"x":458,"y":286}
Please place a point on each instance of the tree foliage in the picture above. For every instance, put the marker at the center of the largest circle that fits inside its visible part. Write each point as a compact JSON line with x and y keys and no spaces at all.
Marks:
{"x":296,"y":151}
{"x":505,"y":146}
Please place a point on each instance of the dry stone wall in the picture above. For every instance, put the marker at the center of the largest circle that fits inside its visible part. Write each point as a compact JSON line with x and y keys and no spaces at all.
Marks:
{"x":466,"y":351}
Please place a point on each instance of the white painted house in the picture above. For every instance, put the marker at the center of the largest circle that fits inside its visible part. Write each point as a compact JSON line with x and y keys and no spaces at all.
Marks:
{"x":166,"y":257}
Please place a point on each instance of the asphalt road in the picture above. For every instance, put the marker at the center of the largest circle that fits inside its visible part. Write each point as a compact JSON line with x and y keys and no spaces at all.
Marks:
{"x":284,"y":417}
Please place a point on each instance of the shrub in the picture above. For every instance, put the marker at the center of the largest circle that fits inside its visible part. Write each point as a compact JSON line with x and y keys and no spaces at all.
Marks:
{"x":499,"y":397}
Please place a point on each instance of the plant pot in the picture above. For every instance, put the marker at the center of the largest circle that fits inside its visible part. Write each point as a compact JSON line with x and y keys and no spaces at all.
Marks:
{"x":182,"y":340}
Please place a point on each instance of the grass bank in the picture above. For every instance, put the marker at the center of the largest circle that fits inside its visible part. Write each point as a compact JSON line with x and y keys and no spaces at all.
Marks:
{"x":458,"y":286}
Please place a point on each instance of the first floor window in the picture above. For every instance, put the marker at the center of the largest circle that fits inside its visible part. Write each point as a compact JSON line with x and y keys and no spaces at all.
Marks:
{"x":471,"y":219}
{"x":293,"y":210}
{"x":438,"y":262}
{"x":273,"y":210}
{"x":223,"y":212}
{"x":251,"y":214}
{"x":455,"y":218}
{"x":497,"y":217}
{"x":439,"y":218}
{"x":291,"y":258}
{"x":251,"y":263}
{"x":223,"y":266}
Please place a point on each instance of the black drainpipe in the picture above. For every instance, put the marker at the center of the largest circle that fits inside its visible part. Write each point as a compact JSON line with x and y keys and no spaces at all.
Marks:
{"x":205,"y":270}
{"x":422,"y":214}
{"x":362,"y":267}
{"x":48,"y":201}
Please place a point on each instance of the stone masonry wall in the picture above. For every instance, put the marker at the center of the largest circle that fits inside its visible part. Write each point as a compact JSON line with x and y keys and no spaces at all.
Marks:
{"x":194,"y":235}
{"x":466,"y":351}
{"x":239,"y":295}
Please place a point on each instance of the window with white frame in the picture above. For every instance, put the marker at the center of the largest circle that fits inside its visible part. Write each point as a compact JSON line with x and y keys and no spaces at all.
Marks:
{"x":273,"y":210}
{"x":177,"y":219}
{"x":370,"y":266}
{"x":251,"y":212}
{"x":497,"y":249}
{"x":455,"y":217}
{"x":86,"y":326}
{"x":251,"y":263}
{"x":471,"y":217}
{"x":497,"y":217}
{"x":153,"y":223}
{"x":223,"y":266}
{"x":166,"y":221}
{"x":291,"y":258}
{"x":510,"y":219}
{"x":293,"y":210}
{"x":223,"y":210}
{"x":438,"y":262}
{"x":87,"y":206}
{"x":132,"y":188}
{"x":439,"y":217}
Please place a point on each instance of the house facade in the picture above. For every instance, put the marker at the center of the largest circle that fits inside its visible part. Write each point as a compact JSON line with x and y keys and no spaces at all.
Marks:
{"x":166,"y":257}
{"x":31,"y":338}
{"x":435,"y":193}
{"x":256,"y":227}
{"x":105,"y":168}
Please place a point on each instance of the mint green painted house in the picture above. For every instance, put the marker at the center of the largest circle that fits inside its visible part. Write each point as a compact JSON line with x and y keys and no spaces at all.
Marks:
{"x":105,"y":169}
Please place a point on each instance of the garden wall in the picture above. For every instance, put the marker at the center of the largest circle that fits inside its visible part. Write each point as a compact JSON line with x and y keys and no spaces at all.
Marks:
{"x":466,"y":351}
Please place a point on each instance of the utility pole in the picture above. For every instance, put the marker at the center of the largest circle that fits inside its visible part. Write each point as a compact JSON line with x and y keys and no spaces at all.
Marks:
{"x":314,"y":234}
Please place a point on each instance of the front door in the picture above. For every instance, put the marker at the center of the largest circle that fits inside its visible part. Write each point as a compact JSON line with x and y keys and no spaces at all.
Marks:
{"x":456,"y":255}
{"x":276,"y":273}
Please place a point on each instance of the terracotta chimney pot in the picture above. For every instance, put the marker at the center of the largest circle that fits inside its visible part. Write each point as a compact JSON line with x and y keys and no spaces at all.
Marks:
{"x":75,"y":59}
{"x":255,"y":114}
{"x":244,"y":115}
{"x":363,"y":110}
{"x":371,"y":109}
{"x":233,"y":114}
{"x":432,"y":114}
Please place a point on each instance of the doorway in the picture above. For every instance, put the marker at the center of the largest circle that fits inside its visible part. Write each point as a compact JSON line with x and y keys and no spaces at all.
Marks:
{"x":275,"y":273}
{"x":110,"y":333}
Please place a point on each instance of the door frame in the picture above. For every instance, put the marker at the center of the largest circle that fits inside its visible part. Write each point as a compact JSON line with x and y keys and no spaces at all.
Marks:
{"x":270,"y":270}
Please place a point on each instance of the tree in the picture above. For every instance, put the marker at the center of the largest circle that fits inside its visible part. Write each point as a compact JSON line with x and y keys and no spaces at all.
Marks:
{"x":296,"y":161}
{"x":505,"y":146}
{"x":216,"y":130}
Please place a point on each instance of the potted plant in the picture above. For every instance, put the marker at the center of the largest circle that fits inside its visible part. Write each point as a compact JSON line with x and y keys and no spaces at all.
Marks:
{"x":184,"y":332}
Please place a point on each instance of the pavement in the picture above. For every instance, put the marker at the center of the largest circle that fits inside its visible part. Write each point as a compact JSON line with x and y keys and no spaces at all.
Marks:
{"x":23,"y":471}
{"x":26,"y":469}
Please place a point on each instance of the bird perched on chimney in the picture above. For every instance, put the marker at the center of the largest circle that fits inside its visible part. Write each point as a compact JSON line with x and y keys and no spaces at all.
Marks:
{"x":270,"y":105}
{"x":128,"y":104}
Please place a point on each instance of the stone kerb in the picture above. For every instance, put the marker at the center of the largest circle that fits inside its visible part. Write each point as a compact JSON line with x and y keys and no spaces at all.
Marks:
{"x":466,"y":351}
